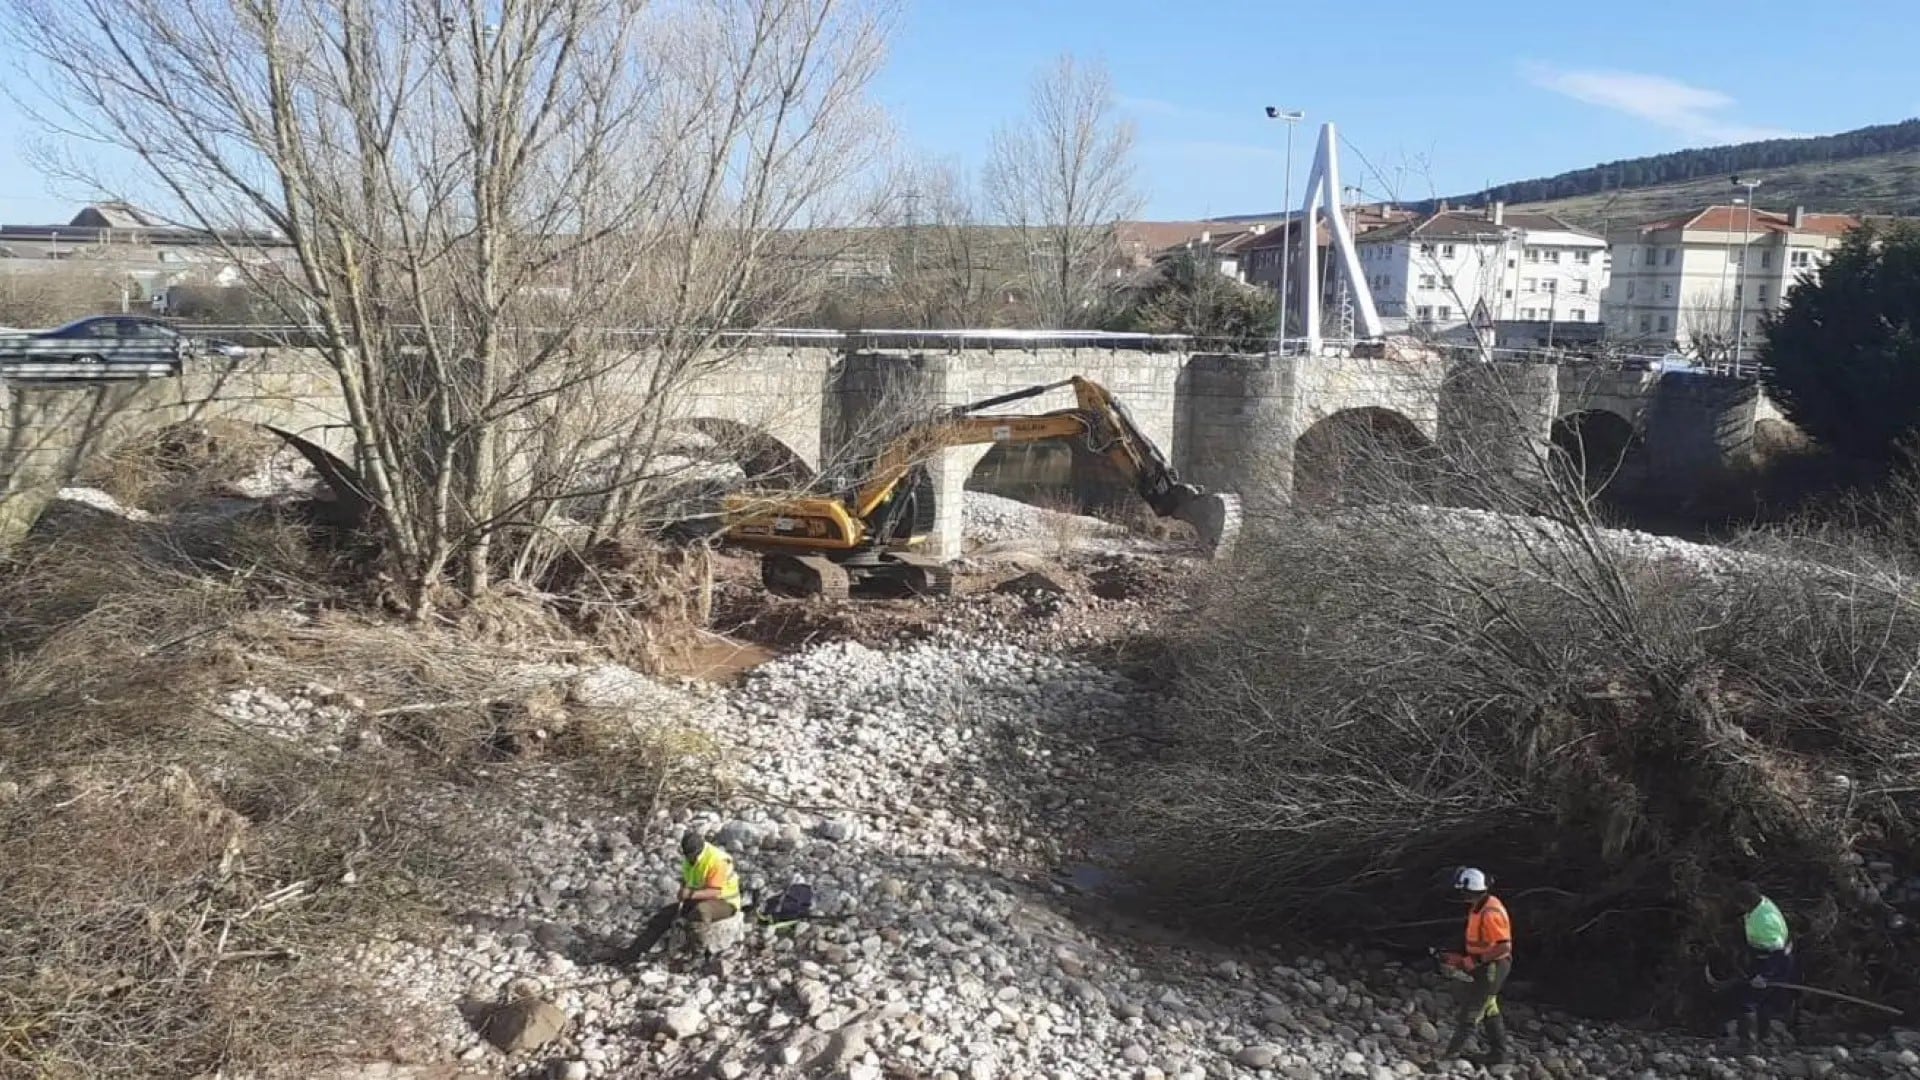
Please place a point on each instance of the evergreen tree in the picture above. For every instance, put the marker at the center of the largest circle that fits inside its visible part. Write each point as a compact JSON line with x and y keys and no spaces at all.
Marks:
{"x":1843,"y":357}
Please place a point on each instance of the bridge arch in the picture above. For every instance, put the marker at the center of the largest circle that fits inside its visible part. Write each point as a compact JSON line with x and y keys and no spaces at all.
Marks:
{"x":1599,"y":448}
{"x":1360,"y":454}
{"x":761,"y":457}
{"x":55,"y":432}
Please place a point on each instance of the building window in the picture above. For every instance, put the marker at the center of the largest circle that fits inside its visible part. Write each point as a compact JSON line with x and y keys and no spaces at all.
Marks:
{"x":1762,"y":296}
{"x":1424,"y":313}
{"x":1583,"y":257}
{"x":1633,"y":259}
{"x":1766,"y":259}
{"x":1530,"y":314}
{"x":1550,"y":285}
{"x":1426,"y":249}
{"x":1646,"y":323}
{"x":1629,"y":290}
{"x":1667,"y":259}
{"x":1446,"y":251}
{"x":1446,"y":280}
{"x":1579,"y":314}
{"x":1533,"y":255}
{"x":1580,"y":286}
{"x":1511,"y":264}
{"x":1665,"y":324}
{"x":1738,"y":290}
{"x":1530,"y":285}
{"x":1802,"y":260}
{"x":1509,"y":294}
{"x":1666,"y":292}
{"x":1553,"y":255}
{"x":1426,"y":281}
{"x":1446,"y":312}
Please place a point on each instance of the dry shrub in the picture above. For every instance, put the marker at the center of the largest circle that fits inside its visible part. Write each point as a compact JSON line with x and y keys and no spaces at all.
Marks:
{"x":181,"y":886}
{"x":1132,"y":513}
{"x":181,"y":464}
{"x":1371,"y":696}
{"x":1067,"y":529}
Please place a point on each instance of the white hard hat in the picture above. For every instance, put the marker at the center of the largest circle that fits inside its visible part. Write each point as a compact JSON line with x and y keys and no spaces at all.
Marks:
{"x":1467,"y":879}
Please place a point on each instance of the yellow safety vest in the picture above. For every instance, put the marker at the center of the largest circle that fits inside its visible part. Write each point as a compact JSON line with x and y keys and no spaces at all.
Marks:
{"x":698,"y":873}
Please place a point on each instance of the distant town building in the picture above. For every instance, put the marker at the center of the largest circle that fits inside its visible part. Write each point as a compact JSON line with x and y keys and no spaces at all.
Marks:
{"x":1682,"y":282}
{"x":1260,"y":256}
{"x":1144,"y":243}
{"x":142,"y":254}
{"x":1456,"y":273}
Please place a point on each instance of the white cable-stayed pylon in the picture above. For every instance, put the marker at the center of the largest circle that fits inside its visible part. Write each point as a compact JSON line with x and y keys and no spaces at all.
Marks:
{"x":1323,"y":196}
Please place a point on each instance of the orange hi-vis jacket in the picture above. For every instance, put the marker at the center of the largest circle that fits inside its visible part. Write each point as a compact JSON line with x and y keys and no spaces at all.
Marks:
{"x":1487,"y":930}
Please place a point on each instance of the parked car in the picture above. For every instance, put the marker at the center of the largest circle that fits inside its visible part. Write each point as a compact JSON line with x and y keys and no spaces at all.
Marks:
{"x":104,"y":338}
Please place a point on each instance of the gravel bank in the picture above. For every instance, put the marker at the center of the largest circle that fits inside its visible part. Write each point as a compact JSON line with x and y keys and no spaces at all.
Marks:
{"x":928,"y":793}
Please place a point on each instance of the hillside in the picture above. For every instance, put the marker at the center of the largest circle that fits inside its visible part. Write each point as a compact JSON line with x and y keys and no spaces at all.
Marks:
{"x":1880,"y":184}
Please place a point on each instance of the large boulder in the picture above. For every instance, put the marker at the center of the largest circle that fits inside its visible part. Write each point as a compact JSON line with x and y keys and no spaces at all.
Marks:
{"x":524,"y":1024}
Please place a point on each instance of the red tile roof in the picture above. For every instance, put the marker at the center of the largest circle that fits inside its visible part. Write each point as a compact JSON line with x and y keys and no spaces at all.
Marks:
{"x":1152,"y":236}
{"x":1365,"y":220}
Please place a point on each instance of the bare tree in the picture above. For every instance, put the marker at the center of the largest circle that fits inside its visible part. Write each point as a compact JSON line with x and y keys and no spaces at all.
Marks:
{"x":1708,"y":328}
{"x":470,"y":197}
{"x":950,"y":270}
{"x":1062,"y":177}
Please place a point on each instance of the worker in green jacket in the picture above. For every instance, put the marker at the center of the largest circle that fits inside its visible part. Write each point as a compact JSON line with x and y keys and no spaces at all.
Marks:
{"x":1769,"y":961}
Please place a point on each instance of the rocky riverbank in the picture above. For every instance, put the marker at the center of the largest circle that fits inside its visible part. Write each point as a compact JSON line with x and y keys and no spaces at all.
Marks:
{"x":932,"y":794}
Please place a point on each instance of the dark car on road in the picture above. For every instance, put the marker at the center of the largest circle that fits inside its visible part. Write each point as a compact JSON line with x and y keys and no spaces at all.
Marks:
{"x":110,"y":338}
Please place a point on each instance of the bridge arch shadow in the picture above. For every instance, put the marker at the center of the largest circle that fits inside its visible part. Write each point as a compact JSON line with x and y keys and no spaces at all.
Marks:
{"x":1599,"y":449}
{"x":1059,"y":474}
{"x":1360,"y":455}
{"x":677,"y":480}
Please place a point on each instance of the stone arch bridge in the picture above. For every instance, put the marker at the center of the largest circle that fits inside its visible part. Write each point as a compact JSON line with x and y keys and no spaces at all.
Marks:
{"x":1229,"y":422}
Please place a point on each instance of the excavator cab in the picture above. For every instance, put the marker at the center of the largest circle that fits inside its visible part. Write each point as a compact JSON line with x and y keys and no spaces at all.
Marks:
{"x":869,"y":534}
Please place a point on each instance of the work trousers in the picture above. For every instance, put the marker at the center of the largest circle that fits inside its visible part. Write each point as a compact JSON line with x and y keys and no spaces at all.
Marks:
{"x":699,"y":911}
{"x":1480,"y":999}
{"x":1770,"y":1003}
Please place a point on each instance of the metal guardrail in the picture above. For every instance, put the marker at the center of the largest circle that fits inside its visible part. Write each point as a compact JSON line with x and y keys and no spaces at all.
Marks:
{"x":31,"y":371}
{"x":294,"y":335}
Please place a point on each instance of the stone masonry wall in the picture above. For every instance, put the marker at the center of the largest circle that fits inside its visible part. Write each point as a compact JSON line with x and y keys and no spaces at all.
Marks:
{"x":1229,"y":423}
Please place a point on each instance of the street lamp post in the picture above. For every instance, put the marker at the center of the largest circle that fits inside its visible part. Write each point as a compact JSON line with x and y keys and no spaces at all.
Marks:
{"x":1291,"y":117}
{"x":1740,"y":278}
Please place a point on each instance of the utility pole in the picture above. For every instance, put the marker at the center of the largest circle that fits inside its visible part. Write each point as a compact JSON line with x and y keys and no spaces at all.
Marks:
{"x":912,"y":199}
{"x":1739,"y":280}
{"x":1290,"y":117}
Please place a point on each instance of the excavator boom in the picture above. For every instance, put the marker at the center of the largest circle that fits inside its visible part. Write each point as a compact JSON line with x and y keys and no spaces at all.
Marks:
{"x":820,"y":544}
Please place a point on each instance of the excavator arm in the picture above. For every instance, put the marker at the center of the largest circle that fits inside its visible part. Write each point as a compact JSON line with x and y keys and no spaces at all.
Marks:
{"x":1100,"y":422}
{"x":860,"y":523}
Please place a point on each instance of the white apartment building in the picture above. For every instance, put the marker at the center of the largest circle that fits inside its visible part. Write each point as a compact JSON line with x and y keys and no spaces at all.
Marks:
{"x":1456,"y":272}
{"x":1684,"y":282}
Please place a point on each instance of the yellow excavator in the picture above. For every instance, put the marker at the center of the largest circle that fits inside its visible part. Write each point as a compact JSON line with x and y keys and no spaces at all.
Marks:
{"x":865,"y":537}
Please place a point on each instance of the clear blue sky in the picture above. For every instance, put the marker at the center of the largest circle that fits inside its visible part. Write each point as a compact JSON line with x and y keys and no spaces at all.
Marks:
{"x":1441,"y":98}
{"x":1470,"y":93}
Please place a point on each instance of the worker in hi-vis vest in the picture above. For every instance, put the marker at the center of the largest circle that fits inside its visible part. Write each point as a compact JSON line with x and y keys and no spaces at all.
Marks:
{"x":1769,"y":960}
{"x":709,"y":893}
{"x":1487,"y":958}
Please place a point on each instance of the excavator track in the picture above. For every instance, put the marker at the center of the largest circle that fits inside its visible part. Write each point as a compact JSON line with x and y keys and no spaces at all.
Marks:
{"x":922,"y":575}
{"x":804,"y":575}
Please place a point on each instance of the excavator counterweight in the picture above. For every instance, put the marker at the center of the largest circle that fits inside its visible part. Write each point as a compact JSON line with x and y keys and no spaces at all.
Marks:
{"x":831,"y":544}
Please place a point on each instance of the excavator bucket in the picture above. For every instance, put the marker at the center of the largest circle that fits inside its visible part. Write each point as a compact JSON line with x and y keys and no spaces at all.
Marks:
{"x":1216,"y":518}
